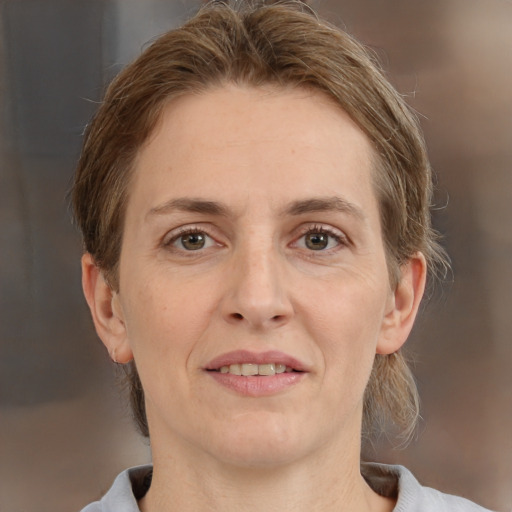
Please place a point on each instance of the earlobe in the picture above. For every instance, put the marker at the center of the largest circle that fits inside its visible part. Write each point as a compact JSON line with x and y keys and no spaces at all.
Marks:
{"x":404,"y":305}
{"x":106,"y":311}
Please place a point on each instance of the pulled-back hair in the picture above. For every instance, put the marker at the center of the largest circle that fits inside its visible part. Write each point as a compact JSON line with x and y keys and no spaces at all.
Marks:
{"x":283,"y":45}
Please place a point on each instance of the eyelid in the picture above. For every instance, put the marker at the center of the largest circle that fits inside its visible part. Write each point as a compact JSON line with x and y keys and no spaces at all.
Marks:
{"x":342,"y":239}
{"x":174,"y":234}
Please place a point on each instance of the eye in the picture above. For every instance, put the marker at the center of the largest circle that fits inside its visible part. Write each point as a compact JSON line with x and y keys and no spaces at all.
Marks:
{"x":191,"y":240}
{"x":318,"y":238}
{"x":316,"y":241}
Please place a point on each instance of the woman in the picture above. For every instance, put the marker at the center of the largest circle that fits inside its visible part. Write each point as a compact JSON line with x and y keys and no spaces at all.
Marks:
{"x":254,"y":200}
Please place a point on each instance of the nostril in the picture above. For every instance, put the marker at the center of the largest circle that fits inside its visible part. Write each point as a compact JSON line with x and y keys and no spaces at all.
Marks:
{"x":238,"y":316}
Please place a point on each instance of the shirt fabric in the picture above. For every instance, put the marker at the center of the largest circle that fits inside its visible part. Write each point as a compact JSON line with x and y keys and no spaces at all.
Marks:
{"x":390,"y":481}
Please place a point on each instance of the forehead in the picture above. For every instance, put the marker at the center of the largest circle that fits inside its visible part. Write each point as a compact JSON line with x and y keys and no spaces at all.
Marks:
{"x":246,"y":142}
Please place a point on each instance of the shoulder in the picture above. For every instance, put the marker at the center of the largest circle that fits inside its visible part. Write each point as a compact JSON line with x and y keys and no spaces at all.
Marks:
{"x":129,"y":486}
{"x":398,"y":482}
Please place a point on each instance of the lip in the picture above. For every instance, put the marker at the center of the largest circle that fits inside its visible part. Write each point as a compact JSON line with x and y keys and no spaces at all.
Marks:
{"x":247,"y":356}
{"x":257,"y":386}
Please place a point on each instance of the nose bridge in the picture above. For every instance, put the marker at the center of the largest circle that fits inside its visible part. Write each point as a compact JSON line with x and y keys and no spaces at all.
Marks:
{"x":258,"y":292}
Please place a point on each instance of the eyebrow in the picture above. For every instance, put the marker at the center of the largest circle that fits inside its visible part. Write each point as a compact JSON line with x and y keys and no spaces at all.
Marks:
{"x":300,"y":207}
{"x":325,"y":204}
{"x":185,"y":204}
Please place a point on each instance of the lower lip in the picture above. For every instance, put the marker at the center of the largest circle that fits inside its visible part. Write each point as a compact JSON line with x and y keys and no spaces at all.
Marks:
{"x":258,"y":385}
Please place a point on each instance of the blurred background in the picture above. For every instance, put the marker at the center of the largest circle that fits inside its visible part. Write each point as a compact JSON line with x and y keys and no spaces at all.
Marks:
{"x":65,"y":432}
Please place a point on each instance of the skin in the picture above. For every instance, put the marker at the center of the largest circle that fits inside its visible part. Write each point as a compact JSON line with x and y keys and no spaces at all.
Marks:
{"x":282,"y":167}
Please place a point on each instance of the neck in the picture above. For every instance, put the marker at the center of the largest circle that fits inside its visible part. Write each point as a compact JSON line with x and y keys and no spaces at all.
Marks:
{"x":328,"y":481}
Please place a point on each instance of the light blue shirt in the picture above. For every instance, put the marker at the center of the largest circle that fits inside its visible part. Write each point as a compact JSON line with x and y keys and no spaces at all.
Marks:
{"x":391,"y":481}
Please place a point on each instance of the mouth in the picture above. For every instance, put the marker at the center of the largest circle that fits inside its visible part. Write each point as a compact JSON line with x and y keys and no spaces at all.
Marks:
{"x":254,"y":369}
{"x":246,"y":363}
{"x":256,"y":374}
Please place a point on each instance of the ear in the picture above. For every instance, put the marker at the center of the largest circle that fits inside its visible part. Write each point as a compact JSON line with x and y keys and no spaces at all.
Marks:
{"x":106,"y":311}
{"x":403,"y":305}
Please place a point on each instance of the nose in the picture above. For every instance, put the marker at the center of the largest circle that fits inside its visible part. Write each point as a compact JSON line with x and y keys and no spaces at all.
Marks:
{"x":257,"y":293}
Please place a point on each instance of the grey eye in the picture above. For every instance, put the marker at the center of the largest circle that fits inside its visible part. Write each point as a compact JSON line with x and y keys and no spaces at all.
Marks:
{"x":192,"y":241}
{"x":316,"y":241}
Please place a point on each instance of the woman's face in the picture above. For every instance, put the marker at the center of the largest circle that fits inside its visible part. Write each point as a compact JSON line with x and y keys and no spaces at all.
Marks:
{"x":253,"y":245}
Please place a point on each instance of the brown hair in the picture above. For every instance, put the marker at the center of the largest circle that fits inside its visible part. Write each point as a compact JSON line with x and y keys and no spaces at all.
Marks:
{"x":281,"y":45}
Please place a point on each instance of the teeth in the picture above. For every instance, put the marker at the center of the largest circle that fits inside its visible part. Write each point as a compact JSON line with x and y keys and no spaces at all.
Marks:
{"x":247,"y":369}
{"x":267,"y":369}
{"x":235,"y":369}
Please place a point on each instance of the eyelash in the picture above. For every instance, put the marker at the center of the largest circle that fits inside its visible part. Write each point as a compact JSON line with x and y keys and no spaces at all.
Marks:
{"x":339,"y":238}
{"x":182,"y":232}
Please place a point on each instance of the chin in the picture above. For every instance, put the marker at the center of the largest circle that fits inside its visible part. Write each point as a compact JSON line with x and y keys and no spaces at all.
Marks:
{"x":260,"y":442}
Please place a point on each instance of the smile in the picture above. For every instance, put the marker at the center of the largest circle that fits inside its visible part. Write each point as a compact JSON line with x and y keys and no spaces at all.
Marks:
{"x":249,"y":369}
{"x":257,"y":374}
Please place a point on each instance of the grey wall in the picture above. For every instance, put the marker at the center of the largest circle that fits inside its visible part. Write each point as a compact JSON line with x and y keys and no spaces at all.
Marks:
{"x":64,"y":432}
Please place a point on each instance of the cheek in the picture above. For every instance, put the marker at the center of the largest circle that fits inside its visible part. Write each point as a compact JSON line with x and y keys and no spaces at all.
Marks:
{"x":164,"y":318}
{"x":345,"y":320}
{"x":165,"y":323}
